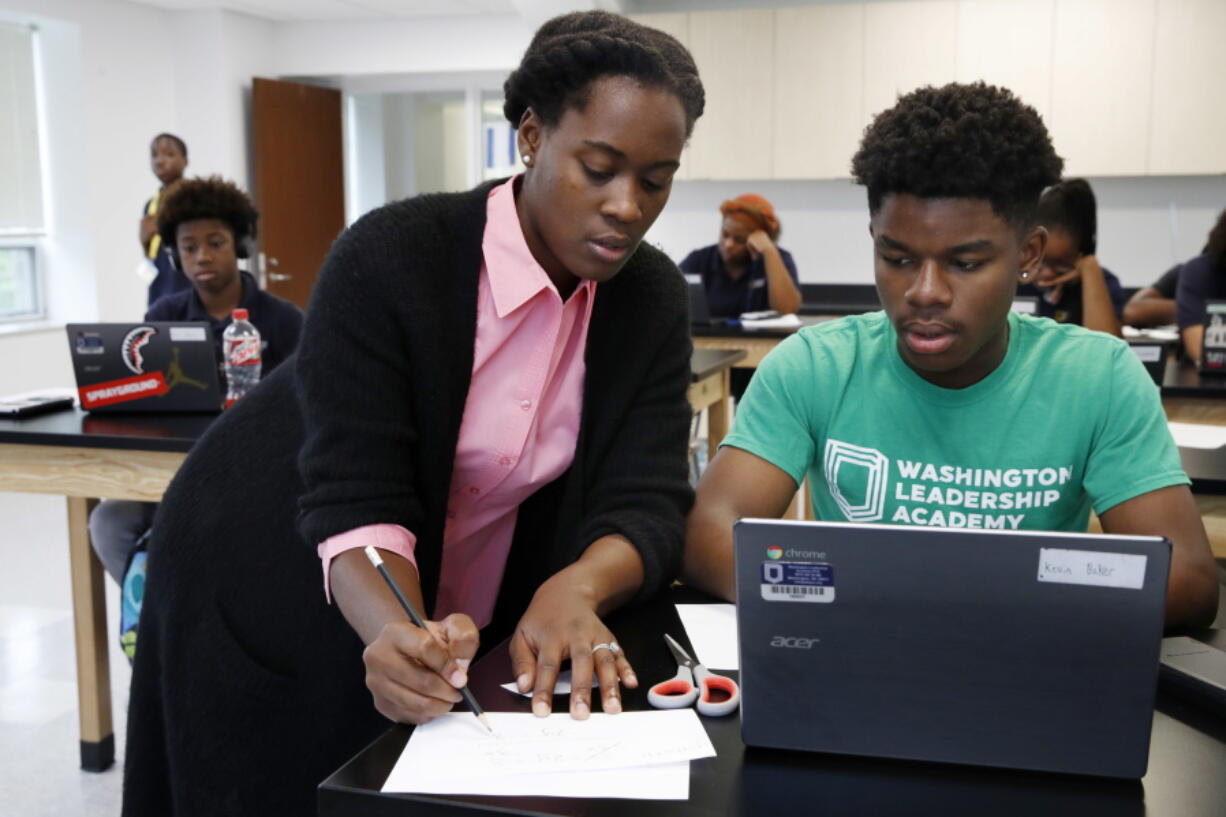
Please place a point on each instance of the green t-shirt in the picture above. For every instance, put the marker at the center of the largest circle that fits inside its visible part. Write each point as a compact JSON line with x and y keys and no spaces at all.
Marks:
{"x":1068,"y":421}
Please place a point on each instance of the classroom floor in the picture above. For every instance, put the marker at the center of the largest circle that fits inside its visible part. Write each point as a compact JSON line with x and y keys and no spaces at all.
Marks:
{"x":39,"y":772}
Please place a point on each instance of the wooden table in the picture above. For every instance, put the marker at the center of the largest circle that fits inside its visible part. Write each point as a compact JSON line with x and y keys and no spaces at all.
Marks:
{"x":710,"y":388}
{"x":83,"y":457}
{"x":1185,"y":777}
{"x":755,"y":343}
{"x":1189,"y":397}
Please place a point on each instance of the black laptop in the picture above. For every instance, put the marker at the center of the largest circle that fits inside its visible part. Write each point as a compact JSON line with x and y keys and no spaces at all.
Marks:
{"x":150,"y":366}
{"x":700,"y":309}
{"x":1014,"y":649}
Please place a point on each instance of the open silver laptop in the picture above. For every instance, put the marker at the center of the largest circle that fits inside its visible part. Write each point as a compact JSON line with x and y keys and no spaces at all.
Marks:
{"x":1014,"y":649}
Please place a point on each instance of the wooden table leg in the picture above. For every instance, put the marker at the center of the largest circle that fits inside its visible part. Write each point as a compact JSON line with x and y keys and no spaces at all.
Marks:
{"x":89,"y":622}
{"x":719,"y":415}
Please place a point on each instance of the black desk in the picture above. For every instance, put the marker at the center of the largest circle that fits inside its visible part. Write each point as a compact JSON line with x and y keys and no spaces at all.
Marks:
{"x":82,"y":457}
{"x":1183,"y":380}
{"x":1187,"y":771}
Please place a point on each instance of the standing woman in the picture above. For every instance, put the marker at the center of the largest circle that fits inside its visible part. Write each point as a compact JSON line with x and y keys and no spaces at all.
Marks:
{"x":492,"y":390}
{"x":745,"y":271}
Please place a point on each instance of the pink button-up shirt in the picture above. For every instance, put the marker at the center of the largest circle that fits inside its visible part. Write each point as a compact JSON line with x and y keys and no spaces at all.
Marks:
{"x":521,"y":417}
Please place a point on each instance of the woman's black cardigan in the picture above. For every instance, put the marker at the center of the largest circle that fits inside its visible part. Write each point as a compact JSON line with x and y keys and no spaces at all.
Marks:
{"x":384,"y":369}
{"x":248,"y":688}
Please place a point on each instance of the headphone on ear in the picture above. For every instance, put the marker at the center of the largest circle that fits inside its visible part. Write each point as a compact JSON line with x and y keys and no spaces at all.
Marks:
{"x":244,"y":247}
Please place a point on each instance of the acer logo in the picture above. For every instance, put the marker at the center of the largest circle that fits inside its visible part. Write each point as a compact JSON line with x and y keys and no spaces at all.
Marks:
{"x":793,"y":642}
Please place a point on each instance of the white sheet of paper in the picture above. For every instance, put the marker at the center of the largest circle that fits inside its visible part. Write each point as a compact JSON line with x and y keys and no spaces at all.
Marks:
{"x":560,"y":687}
{"x":454,"y":754}
{"x":712,"y":632}
{"x":668,"y":781}
{"x":781,"y":322}
{"x":1195,"y":435}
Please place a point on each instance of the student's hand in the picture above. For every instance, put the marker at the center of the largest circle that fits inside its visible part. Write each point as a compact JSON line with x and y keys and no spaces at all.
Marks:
{"x":758,"y":242}
{"x":562,"y":623}
{"x":148,"y":226}
{"x":1055,"y":281}
{"x":414,"y":675}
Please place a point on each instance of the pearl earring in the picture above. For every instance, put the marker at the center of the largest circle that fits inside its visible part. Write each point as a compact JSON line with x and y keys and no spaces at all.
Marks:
{"x":527,"y":159}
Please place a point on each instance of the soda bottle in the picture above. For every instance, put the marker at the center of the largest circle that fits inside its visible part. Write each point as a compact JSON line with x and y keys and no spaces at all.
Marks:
{"x":241,"y":348}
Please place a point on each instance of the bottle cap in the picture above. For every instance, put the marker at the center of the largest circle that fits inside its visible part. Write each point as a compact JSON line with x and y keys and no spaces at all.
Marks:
{"x":239,"y":314}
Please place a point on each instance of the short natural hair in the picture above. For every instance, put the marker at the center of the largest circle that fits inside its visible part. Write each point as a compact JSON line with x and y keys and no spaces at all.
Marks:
{"x":568,"y":53}
{"x":1070,"y":206}
{"x":213,"y":197}
{"x":972,"y":141}
{"x":182,"y":145}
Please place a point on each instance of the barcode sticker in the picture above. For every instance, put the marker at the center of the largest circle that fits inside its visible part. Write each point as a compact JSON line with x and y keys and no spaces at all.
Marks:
{"x":798,"y":581}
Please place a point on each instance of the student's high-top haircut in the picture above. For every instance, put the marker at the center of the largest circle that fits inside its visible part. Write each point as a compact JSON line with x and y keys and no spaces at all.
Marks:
{"x":213,"y":197}
{"x":1070,"y":206}
{"x":569,"y":52}
{"x":972,"y":141}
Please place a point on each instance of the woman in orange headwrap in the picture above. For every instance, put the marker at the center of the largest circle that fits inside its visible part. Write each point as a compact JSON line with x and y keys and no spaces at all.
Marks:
{"x":745,"y":271}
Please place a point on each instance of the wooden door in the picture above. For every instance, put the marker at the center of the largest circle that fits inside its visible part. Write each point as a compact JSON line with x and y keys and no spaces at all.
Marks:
{"x":299,"y":181}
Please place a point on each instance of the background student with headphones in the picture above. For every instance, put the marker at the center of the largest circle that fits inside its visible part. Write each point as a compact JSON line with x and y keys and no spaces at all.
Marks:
{"x":206,"y":225}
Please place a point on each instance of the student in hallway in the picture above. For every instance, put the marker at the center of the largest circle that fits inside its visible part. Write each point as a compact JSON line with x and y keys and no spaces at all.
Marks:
{"x":1071,"y":285}
{"x":168,"y":159}
{"x":205,"y":226}
{"x":973,"y":415}
{"x":491,"y":389}
{"x":745,"y":271}
{"x":1201,"y":279}
{"x":1154,"y":305}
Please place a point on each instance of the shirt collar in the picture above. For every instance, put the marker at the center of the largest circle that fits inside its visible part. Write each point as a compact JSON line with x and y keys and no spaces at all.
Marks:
{"x":515,"y":277}
{"x":197,"y":312}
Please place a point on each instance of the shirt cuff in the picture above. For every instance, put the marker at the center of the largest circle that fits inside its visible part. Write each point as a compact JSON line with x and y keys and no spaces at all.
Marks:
{"x":392,"y":538}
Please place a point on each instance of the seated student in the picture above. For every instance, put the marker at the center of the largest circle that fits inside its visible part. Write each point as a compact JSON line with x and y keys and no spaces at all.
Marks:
{"x":491,"y":388}
{"x":1202,"y":279}
{"x":745,"y":271}
{"x":205,"y":226}
{"x":948,"y":383}
{"x":1154,"y":305}
{"x":1070,"y":285}
{"x":168,"y":159}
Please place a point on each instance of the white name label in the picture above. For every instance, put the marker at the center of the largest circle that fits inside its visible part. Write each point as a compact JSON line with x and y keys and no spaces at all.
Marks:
{"x":186,"y":333}
{"x":1091,"y":567}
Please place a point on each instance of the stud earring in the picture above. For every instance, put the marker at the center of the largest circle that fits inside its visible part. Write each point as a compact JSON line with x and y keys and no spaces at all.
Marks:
{"x":1025,"y":275}
{"x":527,"y":159}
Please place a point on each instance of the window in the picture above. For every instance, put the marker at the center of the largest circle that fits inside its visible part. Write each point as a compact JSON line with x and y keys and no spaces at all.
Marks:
{"x":22,"y":223}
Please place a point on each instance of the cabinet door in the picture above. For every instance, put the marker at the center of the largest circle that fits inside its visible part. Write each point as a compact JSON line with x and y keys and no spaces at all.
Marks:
{"x":1101,"y":85}
{"x":1008,"y":43}
{"x":735,"y":137}
{"x":678,"y":25}
{"x":819,"y":90}
{"x":1188,"y":130}
{"x":907,"y":45}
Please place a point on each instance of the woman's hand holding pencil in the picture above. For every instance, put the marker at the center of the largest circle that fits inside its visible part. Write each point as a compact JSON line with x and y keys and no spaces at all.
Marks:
{"x":417,"y":670}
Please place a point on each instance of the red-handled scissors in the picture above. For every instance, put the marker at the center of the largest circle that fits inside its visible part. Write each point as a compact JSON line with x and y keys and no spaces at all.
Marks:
{"x":711,"y":694}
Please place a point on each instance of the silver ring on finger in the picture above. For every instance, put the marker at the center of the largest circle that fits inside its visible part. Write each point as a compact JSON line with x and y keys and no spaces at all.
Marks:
{"x":611,"y":646}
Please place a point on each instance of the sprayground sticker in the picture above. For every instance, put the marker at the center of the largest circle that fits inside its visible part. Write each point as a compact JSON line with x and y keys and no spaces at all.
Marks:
{"x":121,"y":391}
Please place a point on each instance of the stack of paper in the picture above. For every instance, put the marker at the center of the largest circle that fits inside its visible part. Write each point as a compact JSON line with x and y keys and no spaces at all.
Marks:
{"x":780,"y":322}
{"x":712,"y":632}
{"x":639,"y":755}
{"x":1195,"y":435}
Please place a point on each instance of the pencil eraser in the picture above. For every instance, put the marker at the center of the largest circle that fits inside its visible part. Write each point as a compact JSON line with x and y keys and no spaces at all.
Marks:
{"x":373,"y":555}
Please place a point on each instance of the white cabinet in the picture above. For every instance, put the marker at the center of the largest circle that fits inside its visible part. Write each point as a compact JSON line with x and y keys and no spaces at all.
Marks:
{"x":907,"y":45}
{"x":1008,"y":43}
{"x":678,"y":25}
{"x":734,"y":52}
{"x":819,"y":80}
{"x":1101,"y":85}
{"x":1188,"y":121}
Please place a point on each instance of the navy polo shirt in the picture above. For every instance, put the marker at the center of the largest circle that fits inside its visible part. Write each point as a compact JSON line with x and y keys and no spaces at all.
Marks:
{"x":726,"y":297}
{"x":279,"y":321}
{"x":1200,"y":280}
{"x":1069,"y":309}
